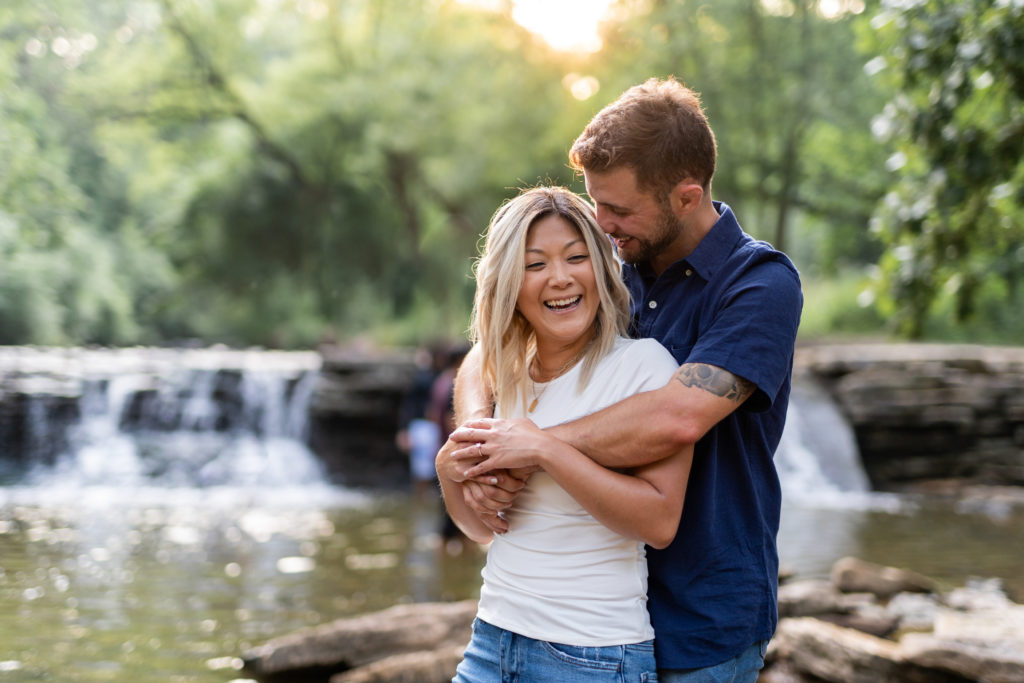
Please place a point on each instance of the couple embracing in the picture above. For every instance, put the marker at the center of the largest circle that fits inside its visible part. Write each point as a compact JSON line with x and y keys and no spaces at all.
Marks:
{"x":620,"y":411}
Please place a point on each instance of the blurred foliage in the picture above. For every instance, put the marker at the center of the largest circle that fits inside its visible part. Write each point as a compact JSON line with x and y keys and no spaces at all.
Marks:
{"x":954,"y":220}
{"x":286,"y":172}
{"x":837,"y":306}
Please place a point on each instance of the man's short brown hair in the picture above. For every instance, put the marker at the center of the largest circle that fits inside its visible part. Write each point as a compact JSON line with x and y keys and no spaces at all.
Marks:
{"x":658,"y":129}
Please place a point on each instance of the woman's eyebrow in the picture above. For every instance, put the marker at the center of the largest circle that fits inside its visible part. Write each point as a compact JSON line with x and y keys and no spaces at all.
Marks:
{"x":567,"y":245}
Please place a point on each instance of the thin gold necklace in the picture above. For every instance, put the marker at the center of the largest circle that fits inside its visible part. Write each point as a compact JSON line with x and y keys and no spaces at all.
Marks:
{"x":561,"y":371}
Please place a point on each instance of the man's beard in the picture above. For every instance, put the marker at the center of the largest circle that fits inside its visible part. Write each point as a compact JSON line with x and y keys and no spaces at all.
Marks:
{"x":667,"y":230}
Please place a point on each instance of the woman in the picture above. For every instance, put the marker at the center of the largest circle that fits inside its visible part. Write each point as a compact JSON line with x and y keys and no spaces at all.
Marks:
{"x":564,"y":594}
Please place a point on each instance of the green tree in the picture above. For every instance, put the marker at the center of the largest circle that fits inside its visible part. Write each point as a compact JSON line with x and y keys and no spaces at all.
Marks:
{"x":69,"y":257}
{"x":264,"y":173}
{"x":332,"y":164}
{"x":954,"y":221}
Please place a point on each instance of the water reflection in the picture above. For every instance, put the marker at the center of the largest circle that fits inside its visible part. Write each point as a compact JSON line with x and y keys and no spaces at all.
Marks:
{"x":128,"y":592}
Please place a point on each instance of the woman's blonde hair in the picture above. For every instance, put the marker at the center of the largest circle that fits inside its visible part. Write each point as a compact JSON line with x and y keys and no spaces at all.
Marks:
{"x":506,"y":339}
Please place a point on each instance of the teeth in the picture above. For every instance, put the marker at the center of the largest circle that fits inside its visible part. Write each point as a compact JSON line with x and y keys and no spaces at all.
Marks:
{"x":562,"y":303}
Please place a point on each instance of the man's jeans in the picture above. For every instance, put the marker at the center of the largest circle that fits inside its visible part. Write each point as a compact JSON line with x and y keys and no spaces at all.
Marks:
{"x":496,"y":655}
{"x":740,"y":669}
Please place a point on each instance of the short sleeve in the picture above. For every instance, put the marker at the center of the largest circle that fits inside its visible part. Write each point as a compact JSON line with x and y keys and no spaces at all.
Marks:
{"x":753,"y":332}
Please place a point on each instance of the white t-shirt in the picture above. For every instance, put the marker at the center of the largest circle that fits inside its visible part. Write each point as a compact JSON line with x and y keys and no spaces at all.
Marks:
{"x":558,"y":574}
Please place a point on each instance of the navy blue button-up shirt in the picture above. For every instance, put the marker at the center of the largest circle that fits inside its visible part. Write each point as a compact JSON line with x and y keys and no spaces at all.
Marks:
{"x":734,"y":303}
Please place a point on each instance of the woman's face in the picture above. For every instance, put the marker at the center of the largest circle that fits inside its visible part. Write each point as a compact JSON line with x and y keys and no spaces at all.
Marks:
{"x":559,"y":294}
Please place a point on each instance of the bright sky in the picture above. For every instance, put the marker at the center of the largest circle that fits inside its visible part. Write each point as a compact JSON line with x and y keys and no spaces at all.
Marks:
{"x":569,"y":25}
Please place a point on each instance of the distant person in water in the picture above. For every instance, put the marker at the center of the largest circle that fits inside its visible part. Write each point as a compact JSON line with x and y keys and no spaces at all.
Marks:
{"x":420,"y":434}
{"x":564,"y":592}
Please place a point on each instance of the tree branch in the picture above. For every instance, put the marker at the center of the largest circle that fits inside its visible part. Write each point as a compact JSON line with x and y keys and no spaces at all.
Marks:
{"x":237,"y":106}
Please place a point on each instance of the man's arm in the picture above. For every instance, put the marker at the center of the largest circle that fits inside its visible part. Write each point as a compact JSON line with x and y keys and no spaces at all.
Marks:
{"x":467,"y":519}
{"x":644,"y":503}
{"x":661,"y":422}
{"x":636,"y":431}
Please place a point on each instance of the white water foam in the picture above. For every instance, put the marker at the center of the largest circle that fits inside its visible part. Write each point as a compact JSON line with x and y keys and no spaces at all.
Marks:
{"x":818,"y":461}
{"x":172,"y":428}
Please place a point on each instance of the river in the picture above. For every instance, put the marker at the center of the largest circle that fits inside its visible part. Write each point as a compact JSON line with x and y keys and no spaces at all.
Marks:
{"x":162,"y":556}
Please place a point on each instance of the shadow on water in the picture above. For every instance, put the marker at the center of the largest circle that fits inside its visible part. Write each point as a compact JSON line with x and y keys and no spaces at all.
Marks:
{"x":163,"y":554}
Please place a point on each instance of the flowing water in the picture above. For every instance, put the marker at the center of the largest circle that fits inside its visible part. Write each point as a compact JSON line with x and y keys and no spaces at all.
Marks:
{"x":175,"y":529}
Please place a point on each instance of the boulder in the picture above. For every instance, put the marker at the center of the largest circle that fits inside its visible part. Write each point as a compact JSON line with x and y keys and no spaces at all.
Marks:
{"x":852,"y":575}
{"x":814,"y":597}
{"x":809,"y":597}
{"x":424,"y":629}
{"x":835,"y":653}
{"x":986,"y":645}
{"x":913,"y":611}
{"x":425,"y":666}
{"x":978,"y":595}
{"x":972,"y":633}
{"x":870,"y":619}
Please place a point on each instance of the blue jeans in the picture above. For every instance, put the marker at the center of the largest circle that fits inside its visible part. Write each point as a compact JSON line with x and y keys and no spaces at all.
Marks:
{"x":742,"y":668}
{"x":495,"y":655}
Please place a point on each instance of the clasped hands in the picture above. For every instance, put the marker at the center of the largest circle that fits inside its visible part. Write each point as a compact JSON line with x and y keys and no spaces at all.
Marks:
{"x":492,"y":459}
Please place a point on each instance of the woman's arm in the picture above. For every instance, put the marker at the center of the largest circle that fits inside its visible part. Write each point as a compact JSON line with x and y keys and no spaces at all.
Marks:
{"x":488,"y":495}
{"x":644,"y":503}
{"x":464,"y":517}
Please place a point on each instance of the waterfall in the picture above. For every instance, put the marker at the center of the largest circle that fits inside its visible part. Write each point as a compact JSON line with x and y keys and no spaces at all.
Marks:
{"x":192,"y":422}
{"x":817,"y":459}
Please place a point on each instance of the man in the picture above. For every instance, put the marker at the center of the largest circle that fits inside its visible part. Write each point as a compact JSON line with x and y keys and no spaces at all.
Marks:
{"x":727,"y":307}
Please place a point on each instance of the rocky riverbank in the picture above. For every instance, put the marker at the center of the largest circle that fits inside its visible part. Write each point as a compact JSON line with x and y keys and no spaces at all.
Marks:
{"x":865,"y":623}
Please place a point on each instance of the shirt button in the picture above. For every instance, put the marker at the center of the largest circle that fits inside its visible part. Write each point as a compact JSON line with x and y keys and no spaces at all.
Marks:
{"x":652,"y":304}
{"x":689,"y":272}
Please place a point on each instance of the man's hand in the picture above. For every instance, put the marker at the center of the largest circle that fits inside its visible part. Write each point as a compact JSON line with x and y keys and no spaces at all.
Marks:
{"x":491,"y":444}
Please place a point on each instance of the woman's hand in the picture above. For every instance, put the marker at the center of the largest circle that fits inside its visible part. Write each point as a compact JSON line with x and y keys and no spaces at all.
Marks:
{"x":491,"y":444}
{"x":489,"y":494}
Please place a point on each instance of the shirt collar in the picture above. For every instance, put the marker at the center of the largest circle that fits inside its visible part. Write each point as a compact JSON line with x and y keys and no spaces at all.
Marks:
{"x":717,"y":245}
{"x":711,"y":252}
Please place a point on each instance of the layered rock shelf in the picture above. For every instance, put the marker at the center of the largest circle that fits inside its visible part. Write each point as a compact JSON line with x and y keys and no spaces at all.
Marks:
{"x":865,"y":623}
{"x":927,"y":412}
{"x":354,"y":416}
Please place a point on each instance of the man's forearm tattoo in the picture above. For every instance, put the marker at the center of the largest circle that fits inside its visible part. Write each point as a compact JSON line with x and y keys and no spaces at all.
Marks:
{"x":715,"y":380}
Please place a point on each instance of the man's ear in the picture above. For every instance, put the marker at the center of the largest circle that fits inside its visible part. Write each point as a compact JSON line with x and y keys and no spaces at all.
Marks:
{"x":685,"y":197}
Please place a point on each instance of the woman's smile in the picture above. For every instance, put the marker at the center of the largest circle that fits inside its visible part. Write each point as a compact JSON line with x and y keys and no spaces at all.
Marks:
{"x":563,"y":304}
